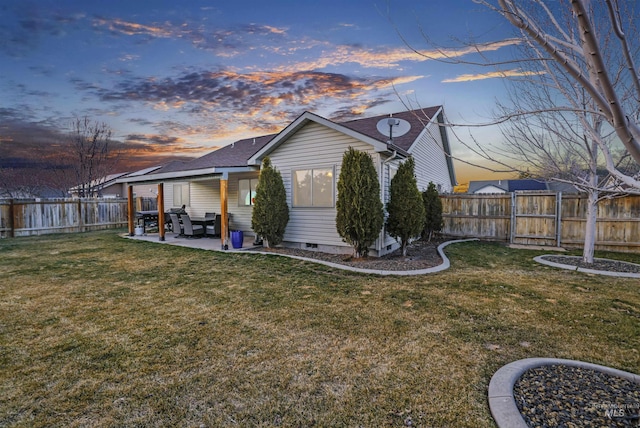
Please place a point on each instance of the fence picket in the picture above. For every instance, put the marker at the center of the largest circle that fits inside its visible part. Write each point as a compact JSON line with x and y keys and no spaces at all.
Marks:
{"x":38,"y":217}
{"x":542,"y":218}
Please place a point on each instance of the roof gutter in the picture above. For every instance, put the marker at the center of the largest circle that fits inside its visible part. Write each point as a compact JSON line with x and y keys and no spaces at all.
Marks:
{"x":396,"y":152}
{"x":192,"y":175}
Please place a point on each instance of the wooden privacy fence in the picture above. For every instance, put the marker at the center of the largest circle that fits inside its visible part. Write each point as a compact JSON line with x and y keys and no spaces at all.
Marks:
{"x":542,"y":218}
{"x":528,"y":218}
{"x":39,"y":217}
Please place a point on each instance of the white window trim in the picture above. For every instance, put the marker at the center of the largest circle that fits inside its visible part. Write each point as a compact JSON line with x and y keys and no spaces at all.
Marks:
{"x":333,"y":187}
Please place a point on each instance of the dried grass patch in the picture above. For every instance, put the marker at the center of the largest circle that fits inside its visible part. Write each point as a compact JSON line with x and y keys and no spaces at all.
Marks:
{"x":97,"y":330}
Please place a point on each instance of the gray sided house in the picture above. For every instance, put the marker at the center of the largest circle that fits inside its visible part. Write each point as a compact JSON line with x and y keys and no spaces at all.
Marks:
{"x":308,"y":153}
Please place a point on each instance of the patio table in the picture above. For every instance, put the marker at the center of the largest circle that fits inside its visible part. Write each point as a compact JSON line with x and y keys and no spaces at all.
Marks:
{"x":147,"y":219}
{"x":203,"y":221}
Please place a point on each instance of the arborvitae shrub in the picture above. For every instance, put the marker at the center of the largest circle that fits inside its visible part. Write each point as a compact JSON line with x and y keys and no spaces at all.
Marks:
{"x":433,"y":211}
{"x":270,"y":210}
{"x":405,"y":206}
{"x":359,"y":209}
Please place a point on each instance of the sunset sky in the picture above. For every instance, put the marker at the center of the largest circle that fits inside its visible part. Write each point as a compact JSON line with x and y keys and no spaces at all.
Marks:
{"x":184,"y":77}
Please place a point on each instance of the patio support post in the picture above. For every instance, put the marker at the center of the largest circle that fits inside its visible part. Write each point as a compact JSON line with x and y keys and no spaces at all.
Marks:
{"x":161,"y":211}
{"x":131,"y":212}
{"x":224,"y":221}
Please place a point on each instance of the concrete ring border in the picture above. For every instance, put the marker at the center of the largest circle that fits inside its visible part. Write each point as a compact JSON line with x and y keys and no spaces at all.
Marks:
{"x":541,"y":260}
{"x":501,"y":400}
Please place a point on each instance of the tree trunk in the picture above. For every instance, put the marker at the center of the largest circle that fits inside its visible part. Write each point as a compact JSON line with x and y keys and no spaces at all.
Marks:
{"x":403,"y":247}
{"x":590,"y":227}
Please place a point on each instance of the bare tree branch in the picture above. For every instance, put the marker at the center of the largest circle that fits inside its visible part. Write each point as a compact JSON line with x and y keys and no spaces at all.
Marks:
{"x":92,"y":156}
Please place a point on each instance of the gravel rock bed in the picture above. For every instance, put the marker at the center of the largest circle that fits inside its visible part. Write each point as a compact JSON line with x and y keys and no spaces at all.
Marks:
{"x":598,"y":264}
{"x":420,"y":255}
{"x":565,"y":396}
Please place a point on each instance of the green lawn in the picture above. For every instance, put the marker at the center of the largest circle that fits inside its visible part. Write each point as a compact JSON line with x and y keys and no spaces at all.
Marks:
{"x":97,"y":330}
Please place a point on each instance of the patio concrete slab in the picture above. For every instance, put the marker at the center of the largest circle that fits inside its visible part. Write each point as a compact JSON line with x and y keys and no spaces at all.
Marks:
{"x":211,"y":244}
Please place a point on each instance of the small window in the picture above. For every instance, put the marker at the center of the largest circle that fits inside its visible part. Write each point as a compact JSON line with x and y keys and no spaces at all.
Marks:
{"x":181,"y":195}
{"x":313,"y":187}
{"x":247,"y":191}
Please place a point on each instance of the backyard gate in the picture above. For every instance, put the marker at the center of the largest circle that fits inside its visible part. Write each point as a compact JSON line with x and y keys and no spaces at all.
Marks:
{"x":536,"y":218}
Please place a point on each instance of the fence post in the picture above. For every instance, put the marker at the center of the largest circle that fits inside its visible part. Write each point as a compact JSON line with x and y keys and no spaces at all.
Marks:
{"x":558,"y":219}
{"x":512,"y":226}
{"x":12,"y":221}
{"x":79,"y":215}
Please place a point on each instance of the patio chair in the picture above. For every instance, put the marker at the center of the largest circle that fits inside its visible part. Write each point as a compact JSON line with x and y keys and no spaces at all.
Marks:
{"x":191,"y":230}
{"x":176,"y":211}
{"x":214,"y":229}
{"x":176,"y":227}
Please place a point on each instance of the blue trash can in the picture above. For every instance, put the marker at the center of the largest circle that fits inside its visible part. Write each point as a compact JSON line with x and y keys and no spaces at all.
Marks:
{"x":237,"y":237}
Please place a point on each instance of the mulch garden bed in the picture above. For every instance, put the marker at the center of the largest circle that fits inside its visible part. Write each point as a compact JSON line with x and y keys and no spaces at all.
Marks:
{"x":424,"y":254}
{"x":420,"y":255}
{"x":566,"y":396}
{"x":598,"y":264}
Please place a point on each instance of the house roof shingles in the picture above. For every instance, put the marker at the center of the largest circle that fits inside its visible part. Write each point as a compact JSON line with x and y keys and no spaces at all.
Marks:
{"x":233,"y":155}
{"x":238,"y":153}
{"x":416,"y":118}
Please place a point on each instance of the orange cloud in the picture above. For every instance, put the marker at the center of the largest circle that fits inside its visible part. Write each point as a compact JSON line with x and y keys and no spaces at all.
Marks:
{"x":492,"y":75}
{"x":132,"y":28}
{"x":392,"y":57}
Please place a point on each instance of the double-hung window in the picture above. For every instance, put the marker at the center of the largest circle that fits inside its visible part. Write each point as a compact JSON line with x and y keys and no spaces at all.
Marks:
{"x":247,"y":191}
{"x":313,"y":187}
{"x":181,"y":195}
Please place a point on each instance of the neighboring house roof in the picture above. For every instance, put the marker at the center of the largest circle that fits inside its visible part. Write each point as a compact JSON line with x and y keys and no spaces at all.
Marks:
{"x":144,"y":171}
{"x":101,"y":182}
{"x":556,"y":186}
{"x":483,"y":186}
{"x":526,"y":184}
{"x":505,"y":186}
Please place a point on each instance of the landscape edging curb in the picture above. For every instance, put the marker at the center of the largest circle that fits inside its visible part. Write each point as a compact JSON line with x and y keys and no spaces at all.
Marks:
{"x":502,"y":403}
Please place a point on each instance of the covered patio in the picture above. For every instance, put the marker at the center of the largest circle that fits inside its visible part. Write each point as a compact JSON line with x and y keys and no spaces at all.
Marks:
{"x":204,"y":243}
{"x":221,"y":182}
{"x":162,"y":218}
